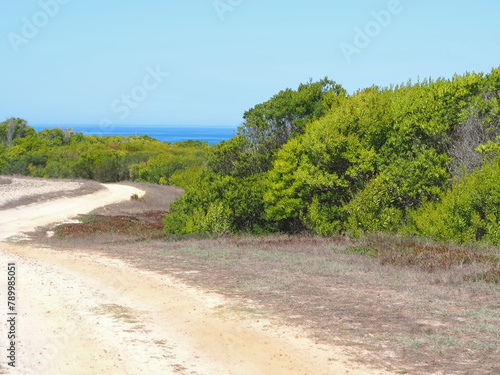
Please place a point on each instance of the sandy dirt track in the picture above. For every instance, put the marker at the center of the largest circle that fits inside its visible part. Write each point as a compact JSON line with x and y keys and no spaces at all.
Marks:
{"x":82,"y":313}
{"x":26,"y":218}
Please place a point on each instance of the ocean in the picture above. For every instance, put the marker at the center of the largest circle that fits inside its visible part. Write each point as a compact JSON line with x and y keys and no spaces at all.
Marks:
{"x":210,"y":134}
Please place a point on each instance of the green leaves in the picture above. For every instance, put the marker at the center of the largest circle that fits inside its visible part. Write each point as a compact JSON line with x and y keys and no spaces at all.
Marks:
{"x":60,"y":153}
{"x":241,"y":200}
{"x":489,"y":147}
{"x":374,"y":208}
{"x":316,"y":174}
{"x":168,"y":163}
{"x":215,"y":221}
{"x":270,"y":125}
{"x":14,"y":128}
{"x":468,"y":212}
{"x":316,"y":159}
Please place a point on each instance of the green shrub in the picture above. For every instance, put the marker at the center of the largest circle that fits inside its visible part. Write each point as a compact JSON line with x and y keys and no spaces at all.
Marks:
{"x":373,"y":209}
{"x":184,"y":177}
{"x":216,"y":220}
{"x":242,"y":198}
{"x":324,"y":219}
{"x":468,"y":212}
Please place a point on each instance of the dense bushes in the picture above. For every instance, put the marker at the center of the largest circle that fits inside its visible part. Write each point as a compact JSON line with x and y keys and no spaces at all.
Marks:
{"x":325,"y":166}
{"x":238,"y":169}
{"x":468,"y":212}
{"x":268,"y":126}
{"x":237,"y":202}
{"x":166,"y":167}
{"x":58,"y":153}
{"x":14,"y":128}
{"x":318,"y":160}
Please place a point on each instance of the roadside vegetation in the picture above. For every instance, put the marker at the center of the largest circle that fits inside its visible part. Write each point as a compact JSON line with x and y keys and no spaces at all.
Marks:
{"x":416,"y":159}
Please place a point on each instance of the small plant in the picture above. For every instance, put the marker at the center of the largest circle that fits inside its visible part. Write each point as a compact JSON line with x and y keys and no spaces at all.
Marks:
{"x":135,"y":197}
{"x":216,"y":221}
{"x":368,"y":251}
{"x":490,"y":276}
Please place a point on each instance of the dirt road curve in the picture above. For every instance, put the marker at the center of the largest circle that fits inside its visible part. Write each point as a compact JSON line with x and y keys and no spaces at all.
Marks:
{"x":82,"y":313}
{"x":25,"y":218}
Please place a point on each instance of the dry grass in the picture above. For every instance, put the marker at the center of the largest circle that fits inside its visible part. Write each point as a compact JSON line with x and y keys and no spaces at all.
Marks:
{"x":426,"y":255}
{"x":403,"y":315}
{"x":143,"y":226}
{"x":403,"y":318}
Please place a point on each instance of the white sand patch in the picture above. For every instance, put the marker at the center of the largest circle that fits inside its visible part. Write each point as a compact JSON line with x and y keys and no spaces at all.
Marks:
{"x":22,"y":187}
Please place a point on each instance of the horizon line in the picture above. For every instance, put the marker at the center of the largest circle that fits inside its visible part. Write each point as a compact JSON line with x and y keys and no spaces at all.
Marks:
{"x":137,"y":125}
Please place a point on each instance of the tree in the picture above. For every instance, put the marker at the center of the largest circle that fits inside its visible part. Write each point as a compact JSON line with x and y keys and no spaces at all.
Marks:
{"x":270,"y":125}
{"x":11,"y":128}
{"x":14,"y":128}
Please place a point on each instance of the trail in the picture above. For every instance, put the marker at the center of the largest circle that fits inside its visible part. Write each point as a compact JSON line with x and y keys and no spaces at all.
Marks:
{"x":82,"y":313}
{"x":26,"y":218}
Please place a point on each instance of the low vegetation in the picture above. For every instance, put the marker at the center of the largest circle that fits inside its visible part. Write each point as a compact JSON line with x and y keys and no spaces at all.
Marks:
{"x":432,"y":258}
{"x":62,"y":153}
{"x":141,"y":226}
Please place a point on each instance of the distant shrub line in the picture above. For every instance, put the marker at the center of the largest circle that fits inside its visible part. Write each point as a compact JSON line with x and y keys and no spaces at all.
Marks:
{"x":62,"y":153}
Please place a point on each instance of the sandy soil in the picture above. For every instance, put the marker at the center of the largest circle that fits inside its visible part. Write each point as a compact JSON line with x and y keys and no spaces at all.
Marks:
{"x":25,"y":218}
{"x":17,"y":188}
{"x":84,"y":313}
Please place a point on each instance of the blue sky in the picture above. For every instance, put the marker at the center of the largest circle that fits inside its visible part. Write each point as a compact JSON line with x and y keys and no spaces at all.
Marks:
{"x":205,"y":62}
